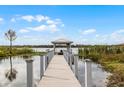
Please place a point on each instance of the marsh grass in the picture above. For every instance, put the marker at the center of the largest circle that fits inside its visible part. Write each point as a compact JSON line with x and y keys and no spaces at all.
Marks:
{"x":111,"y":59}
{"x":23,"y":51}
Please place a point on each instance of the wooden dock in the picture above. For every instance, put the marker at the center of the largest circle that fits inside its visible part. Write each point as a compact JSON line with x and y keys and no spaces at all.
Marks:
{"x":59,"y":74}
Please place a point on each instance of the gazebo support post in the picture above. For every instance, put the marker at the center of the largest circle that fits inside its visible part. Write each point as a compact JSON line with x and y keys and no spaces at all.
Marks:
{"x":62,"y":41}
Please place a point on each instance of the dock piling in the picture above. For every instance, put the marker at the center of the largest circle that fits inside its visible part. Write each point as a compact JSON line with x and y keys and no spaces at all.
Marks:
{"x":29,"y":72}
{"x":88,"y":74}
{"x":76,"y":65}
{"x":41,"y":66}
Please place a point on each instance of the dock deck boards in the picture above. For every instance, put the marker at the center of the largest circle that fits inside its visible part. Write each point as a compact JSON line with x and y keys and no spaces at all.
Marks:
{"x":59,"y":74}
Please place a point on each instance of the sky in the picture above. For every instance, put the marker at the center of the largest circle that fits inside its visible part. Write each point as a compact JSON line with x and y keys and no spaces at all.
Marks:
{"x":38,"y":25}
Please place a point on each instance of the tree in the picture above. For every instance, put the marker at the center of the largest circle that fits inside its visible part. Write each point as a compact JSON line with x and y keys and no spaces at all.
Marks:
{"x":11,"y":36}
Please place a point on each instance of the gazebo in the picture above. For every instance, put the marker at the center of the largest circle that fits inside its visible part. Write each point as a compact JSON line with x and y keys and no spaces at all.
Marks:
{"x":63,"y":42}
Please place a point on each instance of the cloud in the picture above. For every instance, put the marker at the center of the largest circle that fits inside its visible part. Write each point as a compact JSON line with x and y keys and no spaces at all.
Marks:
{"x":116,"y":37}
{"x":28,"y":18}
{"x":118,"y":31}
{"x":52,"y":28}
{"x":1,"y":19}
{"x":38,"y":18}
{"x":39,"y":28}
{"x":23,"y":30}
{"x":55,"y":22}
{"x":88,"y":31}
{"x":49,"y":22}
{"x":62,"y":25}
{"x":97,"y":35}
{"x":48,"y":25}
{"x":13,"y":20}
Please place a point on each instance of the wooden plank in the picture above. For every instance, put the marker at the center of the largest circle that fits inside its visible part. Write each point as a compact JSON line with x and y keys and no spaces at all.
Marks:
{"x":58,"y":74}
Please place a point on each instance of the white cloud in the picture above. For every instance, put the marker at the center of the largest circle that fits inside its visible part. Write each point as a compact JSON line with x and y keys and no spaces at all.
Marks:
{"x":45,"y":23}
{"x":40,"y":18}
{"x":62,"y":25}
{"x":120,"y":31}
{"x":56,"y":22}
{"x":97,"y":35}
{"x":28,"y":18}
{"x":115,"y":37}
{"x":118,"y":36}
{"x":88,"y":31}
{"x":50,"y":22}
{"x":1,"y":19}
{"x":51,"y":25}
{"x":13,"y":20}
{"x":23,"y":30}
{"x":53,"y":28}
{"x":39,"y":28}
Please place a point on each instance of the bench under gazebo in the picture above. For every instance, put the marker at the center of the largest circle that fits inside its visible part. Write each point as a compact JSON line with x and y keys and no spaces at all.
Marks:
{"x":63,"y":43}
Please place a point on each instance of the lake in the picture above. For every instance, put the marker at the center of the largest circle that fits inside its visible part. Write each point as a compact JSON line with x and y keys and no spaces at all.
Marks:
{"x":98,"y":75}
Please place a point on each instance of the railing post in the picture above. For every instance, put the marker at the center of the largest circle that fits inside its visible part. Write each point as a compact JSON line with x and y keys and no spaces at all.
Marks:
{"x":88,"y":74}
{"x":48,"y":56}
{"x":46,"y":61}
{"x":51,"y":55}
{"x":41,"y":66}
{"x":29,"y":72}
{"x":67,"y":56}
{"x":76,"y":65}
{"x":70,"y":60}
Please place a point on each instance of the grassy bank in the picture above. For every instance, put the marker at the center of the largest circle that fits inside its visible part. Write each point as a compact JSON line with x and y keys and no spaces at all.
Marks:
{"x":4,"y":52}
{"x":110,"y":57}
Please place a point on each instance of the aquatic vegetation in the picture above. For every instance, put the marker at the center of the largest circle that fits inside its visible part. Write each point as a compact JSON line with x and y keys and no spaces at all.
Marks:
{"x":4,"y":52}
{"x":110,"y":57}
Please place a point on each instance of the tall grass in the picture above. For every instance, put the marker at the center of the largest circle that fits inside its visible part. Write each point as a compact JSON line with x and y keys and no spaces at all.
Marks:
{"x":110,"y":57}
{"x":4,"y":51}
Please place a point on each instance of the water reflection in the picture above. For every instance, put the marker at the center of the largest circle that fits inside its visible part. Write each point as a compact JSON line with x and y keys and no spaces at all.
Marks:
{"x":18,"y":67}
{"x":10,"y":74}
{"x":0,"y":60}
{"x":98,"y":74}
{"x":26,"y":56}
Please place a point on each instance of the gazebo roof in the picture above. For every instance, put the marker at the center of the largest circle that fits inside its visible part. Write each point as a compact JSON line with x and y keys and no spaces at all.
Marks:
{"x":62,"y":41}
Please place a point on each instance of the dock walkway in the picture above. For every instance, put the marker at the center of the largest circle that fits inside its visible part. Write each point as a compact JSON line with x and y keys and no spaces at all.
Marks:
{"x":59,"y":74}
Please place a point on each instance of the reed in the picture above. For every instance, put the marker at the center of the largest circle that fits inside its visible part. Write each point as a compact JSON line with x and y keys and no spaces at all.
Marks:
{"x":110,"y":57}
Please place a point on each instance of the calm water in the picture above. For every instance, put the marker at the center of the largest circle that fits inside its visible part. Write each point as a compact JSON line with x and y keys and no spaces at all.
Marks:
{"x":20,"y":65}
{"x":98,"y":75}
